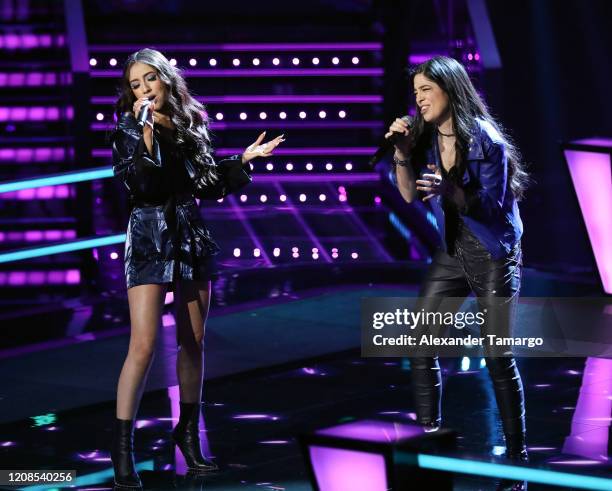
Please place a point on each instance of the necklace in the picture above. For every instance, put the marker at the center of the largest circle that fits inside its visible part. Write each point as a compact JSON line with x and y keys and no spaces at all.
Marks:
{"x":445,"y":134}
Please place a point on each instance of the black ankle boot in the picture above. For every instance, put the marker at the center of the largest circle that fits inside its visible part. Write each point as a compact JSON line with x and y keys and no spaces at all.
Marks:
{"x":516,"y":454}
{"x":122,"y":455}
{"x":186,"y":435}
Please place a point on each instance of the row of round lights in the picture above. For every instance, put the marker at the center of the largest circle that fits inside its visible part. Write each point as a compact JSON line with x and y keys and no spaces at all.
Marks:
{"x":309,"y":166}
{"x":473,"y":56}
{"x":281,"y":115}
{"x":295,"y":61}
{"x":295,"y":252}
{"x":262,"y":115}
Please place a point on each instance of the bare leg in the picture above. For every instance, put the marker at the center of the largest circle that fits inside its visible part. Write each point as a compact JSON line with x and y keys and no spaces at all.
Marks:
{"x":146,"y":303}
{"x":192,"y":303}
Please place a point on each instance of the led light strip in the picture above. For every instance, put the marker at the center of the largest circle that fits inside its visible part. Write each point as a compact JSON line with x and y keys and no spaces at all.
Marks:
{"x":503,"y":471}
{"x":77,"y":245}
{"x":65,"y":178}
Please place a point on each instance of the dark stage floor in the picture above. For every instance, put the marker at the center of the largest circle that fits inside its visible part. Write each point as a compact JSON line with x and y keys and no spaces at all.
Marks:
{"x":275,"y":371}
{"x":251,"y":422}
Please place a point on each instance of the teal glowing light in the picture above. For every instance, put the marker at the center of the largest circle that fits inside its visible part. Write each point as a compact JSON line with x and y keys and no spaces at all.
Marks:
{"x":56,"y":179}
{"x":44,"y":419}
{"x":512,"y":472}
{"x":77,"y":245}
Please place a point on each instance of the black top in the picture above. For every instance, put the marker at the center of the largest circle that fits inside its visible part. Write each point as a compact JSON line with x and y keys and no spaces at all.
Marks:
{"x":453,"y":220}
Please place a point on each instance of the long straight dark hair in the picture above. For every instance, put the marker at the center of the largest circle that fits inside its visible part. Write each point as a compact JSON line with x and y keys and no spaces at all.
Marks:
{"x":187,"y":114}
{"x":465,"y":106}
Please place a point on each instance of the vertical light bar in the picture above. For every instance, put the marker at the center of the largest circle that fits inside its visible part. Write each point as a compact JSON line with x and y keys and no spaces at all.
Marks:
{"x":592,"y":178}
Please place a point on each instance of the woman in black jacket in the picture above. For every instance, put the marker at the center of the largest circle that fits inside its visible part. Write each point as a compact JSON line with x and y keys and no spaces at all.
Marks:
{"x":474,"y":178}
{"x":165,"y":165}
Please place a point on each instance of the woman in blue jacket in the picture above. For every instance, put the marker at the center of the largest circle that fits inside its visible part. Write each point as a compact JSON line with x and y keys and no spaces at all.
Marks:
{"x":165,"y":165}
{"x":473,"y":179}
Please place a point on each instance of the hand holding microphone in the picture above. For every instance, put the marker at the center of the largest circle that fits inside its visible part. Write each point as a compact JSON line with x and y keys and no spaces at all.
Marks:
{"x":143,"y":110}
{"x":397,"y":135}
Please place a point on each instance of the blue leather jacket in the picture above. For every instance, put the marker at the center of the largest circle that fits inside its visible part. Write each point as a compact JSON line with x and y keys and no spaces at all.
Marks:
{"x":491,"y":212}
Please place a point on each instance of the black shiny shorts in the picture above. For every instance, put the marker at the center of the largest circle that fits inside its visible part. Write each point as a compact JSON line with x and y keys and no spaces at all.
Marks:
{"x":164,"y":245}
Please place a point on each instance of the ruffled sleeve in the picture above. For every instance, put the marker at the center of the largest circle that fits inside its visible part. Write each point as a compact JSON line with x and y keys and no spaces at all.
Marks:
{"x":140,"y":171}
{"x":229,"y":176}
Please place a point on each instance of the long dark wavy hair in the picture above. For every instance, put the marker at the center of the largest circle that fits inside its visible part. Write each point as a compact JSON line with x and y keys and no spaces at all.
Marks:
{"x":465,"y":106}
{"x":188,"y":115}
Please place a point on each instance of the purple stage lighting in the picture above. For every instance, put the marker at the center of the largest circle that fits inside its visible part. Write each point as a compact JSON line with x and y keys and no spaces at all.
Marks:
{"x":355,"y":60}
{"x":275,"y":61}
{"x":243,"y":116}
{"x":360,"y":456}
{"x":282,"y":115}
{"x":302,"y":114}
{"x":289,"y":166}
{"x":590,"y":165}
{"x":342,"y":114}
{"x":322,"y":114}
{"x":295,"y":61}
{"x":236,"y":62}
{"x":212,"y":62}
{"x":256,"y":61}
{"x":315,"y":61}
{"x":335,"y":60}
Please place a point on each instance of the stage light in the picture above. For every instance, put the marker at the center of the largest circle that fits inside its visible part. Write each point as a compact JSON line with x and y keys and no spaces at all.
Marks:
{"x":348,"y":166}
{"x":329,"y":166}
{"x":236,"y":62}
{"x":315,"y":256}
{"x":295,"y":255}
{"x":309,"y":166}
{"x":362,"y":455}
{"x":483,"y":363}
{"x":93,"y":62}
{"x":335,"y":255}
{"x":193,"y":62}
{"x":477,"y":57}
{"x":256,"y":61}
{"x":341,"y":189}
{"x":236,"y":252}
{"x":256,"y":252}
{"x":294,"y":250}
{"x":354,"y":255}
{"x":269,"y":166}
{"x":99,"y":116}
{"x":342,"y":197}
{"x":342,"y":114}
{"x":112,"y":62}
{"x":282,"y":115}
{"x":377,"y":200}
{"x":315,"y":250}
{"x":315,"y":61}
{"x":276,"y":252}
{"x":335,"y":249}
{"x":243,"y":116}
{"x":283,"y":198}
{"x":302,"y":197}
{"x":465,"y":364}
{"x":243,"y":198}
{"x":212,"y":62}
{"x":262,"y":115}
{"x":275,"y":61}
{"x":114,"y":255}
{"x":470,"y":56}
{"x":173,"y":61}
{"x":289,"y":166}
{"x":263,"y":198}
{"x":295,"y":61}
{"x":322,"y":197}
{"x":335,"y":60}
{"x":322,"y":114}
{"x":355,"y":60}
{"x":219,"y":116}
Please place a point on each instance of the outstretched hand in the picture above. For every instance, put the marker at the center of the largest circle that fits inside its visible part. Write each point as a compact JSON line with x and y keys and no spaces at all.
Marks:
{"x":259,"y":149}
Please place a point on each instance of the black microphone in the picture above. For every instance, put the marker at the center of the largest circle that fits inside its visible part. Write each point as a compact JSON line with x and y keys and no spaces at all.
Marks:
{"x":388,"y":143}
{"x":144,"y":112}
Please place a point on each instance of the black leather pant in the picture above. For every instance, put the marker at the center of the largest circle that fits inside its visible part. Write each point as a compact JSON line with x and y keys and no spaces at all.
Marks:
{"x":496,"y":284}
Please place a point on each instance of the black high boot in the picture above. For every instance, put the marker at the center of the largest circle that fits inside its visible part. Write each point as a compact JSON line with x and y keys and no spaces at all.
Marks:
{"x":511,"y":404}
{"x":122,"y":455}
{"x":427,"y":391}
{"x":186,"y":435}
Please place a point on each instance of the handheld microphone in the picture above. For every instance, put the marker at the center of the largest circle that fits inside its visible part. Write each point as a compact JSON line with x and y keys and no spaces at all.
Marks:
{"x":388,"y":143}
{"x":144,"y":112}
